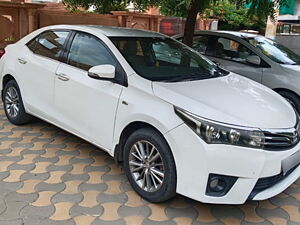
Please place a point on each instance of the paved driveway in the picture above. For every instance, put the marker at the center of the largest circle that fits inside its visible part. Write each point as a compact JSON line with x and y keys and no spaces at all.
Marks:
{"x":48,"y":176}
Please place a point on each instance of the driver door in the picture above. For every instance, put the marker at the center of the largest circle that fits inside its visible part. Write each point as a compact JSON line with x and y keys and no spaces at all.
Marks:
{"x":231,"y":55}
{"x":87,"y":106}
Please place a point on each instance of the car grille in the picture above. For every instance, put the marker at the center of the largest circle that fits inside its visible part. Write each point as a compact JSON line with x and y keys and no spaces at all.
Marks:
{"x":267,"y":182}
{"x":282,"y":139}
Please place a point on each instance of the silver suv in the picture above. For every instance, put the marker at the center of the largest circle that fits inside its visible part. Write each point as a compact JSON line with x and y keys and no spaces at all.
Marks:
{"x":255,"y":57}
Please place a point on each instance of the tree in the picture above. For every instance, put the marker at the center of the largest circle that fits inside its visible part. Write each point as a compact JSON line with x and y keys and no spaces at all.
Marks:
{"x":232,"y":16}
{"x":191,"y":8}
{"x":188,"y":8}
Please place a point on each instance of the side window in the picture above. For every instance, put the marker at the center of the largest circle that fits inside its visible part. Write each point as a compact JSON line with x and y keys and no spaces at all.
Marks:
{"x":49,"y":44}
{"x":87,"y":51}
{"x":200,"y":43}
{"x":165,"y":53}
{"x":230,"y":49}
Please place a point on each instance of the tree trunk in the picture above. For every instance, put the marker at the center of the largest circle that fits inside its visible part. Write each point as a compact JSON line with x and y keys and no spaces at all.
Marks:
{"x":190,"y":22}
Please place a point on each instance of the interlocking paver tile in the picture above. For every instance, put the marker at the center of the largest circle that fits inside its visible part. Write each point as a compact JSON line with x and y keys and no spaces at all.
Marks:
{"x":82,"y":177}
{"x":134,"y":220}
{"x":50,"y":177}
{"x":143,"y":211}
{"x":95,"y":177}
{"x":77,"y":210}
{"x":62,"y":210}
{"x":89,"y":199}
{"x":72,"y":187}
{"x":28,"y":186}
{"x":41,"y":212}
{"x":67,"y":198}
{"x":84,"y":220}
{"x":57,"y":222}
{"x":44,"y":198}
{"x":110,"y":211}
{"x":41,"y":167}
{"x":183,"y":220}
{"x":14,"y":175}
{"x":181,"y":212}
{"x":12,"y":222}
{"x":250,"y":214}
{"x":158,"y":212}
{"x":134,"y":200}
{"x":50,"y":187}
{"x":293,"y":212}
{"x":204,"y":213}
{"x":78,"y":168}
{"x":12,"y":211}
{"x":278,"y":221}
{"x":113,"y":187}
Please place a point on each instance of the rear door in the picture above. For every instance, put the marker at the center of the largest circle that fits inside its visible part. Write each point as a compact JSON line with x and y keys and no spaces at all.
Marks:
{"x":37,"y":64}
{"x":229,"y":54}
{"x":87,"y":106}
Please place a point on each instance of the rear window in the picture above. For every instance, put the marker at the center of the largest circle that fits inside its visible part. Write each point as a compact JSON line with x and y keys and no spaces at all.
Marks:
{"x":49,"y":44}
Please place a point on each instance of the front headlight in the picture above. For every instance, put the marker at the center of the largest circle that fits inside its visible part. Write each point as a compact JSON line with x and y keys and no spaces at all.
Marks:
{"x":213,"y":132}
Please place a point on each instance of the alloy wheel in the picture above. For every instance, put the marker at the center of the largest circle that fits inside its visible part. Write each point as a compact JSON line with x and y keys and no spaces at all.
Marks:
{"x":12,"y":102}
{"x":146,"y":166}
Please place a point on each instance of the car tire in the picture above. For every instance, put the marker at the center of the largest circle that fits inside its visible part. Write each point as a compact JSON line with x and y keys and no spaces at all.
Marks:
{"x":292,"y":98}
{"x":13,"y":104}
{"x":159,"y":171}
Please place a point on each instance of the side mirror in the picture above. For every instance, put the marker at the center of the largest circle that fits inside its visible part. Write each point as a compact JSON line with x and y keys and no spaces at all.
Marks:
{"x":102,"y":72}
{"x":253,"y":59}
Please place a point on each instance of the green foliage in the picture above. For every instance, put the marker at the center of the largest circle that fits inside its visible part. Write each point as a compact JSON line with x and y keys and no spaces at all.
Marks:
{"x":265,"y":8}
{"x":234,"y":16}
{"x":178,"y":8}
{"x":101,"y":6}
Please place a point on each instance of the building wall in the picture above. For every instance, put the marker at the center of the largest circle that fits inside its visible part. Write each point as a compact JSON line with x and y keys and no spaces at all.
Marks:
{"x":290,"y":41}
{"x":297,"y":8}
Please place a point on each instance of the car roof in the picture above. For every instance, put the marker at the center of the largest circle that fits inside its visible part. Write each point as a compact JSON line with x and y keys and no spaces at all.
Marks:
{"x":112,"y":31}
{"x":237,"y":33}
{"x":217,"y":32}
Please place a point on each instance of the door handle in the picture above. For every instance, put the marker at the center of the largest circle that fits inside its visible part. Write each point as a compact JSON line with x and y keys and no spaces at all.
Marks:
{"x":22,"y":61}
{"x":62,"y":77}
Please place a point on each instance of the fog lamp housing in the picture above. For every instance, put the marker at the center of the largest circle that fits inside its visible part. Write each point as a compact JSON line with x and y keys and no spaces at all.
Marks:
{"x":219,"y":185}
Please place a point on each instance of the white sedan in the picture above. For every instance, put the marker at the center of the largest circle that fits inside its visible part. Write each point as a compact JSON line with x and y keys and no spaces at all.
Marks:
{"x":175,"y":121}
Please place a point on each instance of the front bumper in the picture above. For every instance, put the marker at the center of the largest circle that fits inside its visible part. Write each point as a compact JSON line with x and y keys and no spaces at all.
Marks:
{"x":195,"y":161}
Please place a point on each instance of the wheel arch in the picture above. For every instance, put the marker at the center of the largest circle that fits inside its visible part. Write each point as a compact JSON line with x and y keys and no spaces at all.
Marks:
{"x":5,"y":79}
{"x":278,"y":90}
{"x":126,"y":132}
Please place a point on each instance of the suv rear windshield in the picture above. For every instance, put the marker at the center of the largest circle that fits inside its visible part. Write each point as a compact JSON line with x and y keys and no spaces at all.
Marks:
{"x":164,"y":59}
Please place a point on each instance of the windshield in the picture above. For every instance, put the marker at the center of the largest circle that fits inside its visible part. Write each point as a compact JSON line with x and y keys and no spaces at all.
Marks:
{"x":164,"y":59}
{"x":275,"y":51}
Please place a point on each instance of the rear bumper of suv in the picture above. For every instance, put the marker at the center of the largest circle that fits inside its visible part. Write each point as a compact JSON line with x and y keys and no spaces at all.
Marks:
{"x":247,"y":173}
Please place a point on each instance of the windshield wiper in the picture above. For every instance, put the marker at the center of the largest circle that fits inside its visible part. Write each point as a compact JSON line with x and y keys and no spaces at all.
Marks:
{"x":189,"y":77}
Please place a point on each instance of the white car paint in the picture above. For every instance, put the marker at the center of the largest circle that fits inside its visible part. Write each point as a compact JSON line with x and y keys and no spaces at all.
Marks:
{"x":96,"y":111}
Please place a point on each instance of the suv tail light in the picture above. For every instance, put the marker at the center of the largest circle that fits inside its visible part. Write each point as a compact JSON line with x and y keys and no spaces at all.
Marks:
{"x":2,"y":52}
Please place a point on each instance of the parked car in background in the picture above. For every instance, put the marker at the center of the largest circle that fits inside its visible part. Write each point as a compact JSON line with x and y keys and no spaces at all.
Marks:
{"x":255,"y":57}
{"x":176,"y":121}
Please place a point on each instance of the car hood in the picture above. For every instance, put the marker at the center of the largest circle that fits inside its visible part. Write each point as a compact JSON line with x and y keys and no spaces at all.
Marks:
{"x":230,"y":99}
{"x":291,"y":68}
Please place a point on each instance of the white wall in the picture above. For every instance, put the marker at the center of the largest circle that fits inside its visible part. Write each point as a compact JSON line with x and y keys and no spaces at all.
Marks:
{"x":297,"y":8}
